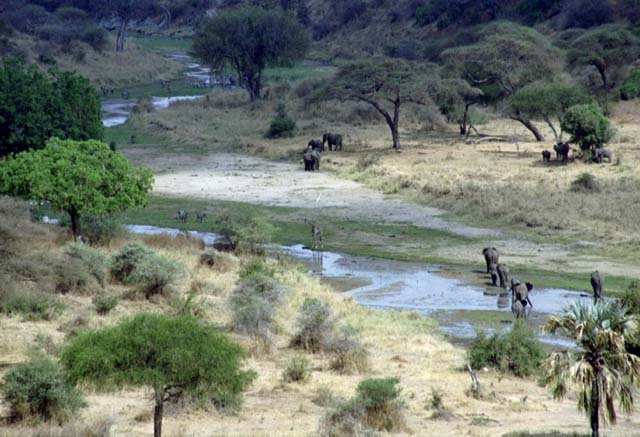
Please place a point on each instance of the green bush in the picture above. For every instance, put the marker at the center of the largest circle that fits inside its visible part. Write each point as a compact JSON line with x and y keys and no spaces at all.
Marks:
{"x":297,"y":370}
{"x":349,"y":354}
{"x":256,"y":266}
{"x":72,"y":276}
{"x":40,"y":388}
{"x":250,"y":234}
{"x":315,"y":325}
{"x":630,"y":88}
{"x":382,"y":404}
{"x":343,"y":419}
{"x":136,"y":264}
{"x":631,"y":300}
{"x":587,"y":125}
{"x":96,"y":263}
{"x":281,"y":127}
{"x":33,"y":305}
{"x":516,"y":351}
{"x":100,"y":231}
{"x":585,"y":182}
{"x":104,"y":303}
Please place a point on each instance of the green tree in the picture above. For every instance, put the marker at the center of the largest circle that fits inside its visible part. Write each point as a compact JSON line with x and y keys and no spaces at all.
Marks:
{"x":34,"y":108}
{"x":125,"y":11}
{"x":176,"y":356}
{"x":607,"y":48}
{"x":79,"y":177}
{"x":504,"y":58}
{"x":587,"y":125}
{"x":549,"y":101}
{"x":601,"y":370}
{"x":248,"y":40}
{"x":455,"y":97}
{"x":384,"y":84}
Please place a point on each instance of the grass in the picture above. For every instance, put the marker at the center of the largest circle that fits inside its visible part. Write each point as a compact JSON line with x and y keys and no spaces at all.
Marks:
{"x":163,"y":45}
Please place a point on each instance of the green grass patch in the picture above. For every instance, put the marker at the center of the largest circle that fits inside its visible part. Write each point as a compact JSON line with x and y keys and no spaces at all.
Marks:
{"x":121,"y":135}
{"x":163,"y":45}
{"x":613,"y":286}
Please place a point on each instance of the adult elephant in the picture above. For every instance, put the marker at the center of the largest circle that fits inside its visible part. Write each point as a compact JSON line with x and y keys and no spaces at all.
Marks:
{"x":596,"y":283}
{"x":311,"y":158}
{"x":491,"y":256}
{"x":562,"y":151}
{"x":601,"y":153}
{"x":503,"y":274}
{"x":493,"y":271}
{"x":332,"y":140}
{"x":316,"y":145}
{"x":520,"y":294}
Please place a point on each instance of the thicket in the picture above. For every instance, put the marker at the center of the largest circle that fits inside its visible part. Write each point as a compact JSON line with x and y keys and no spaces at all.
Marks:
{"x":630,"y":88}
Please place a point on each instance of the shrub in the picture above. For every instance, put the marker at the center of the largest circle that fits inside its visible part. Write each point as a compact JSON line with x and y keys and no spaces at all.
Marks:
{"x":349,"y":355}
{"x":324,"y":396}
{"x":282,"y":125}
{"x":96,"y":37}
{"x":631,"y":301}
{"x":516,"y":351}
{"x":126,"y":261}
{"x":254,"y":303}
{"x":297,"y":370}
{"x":144,"y":105}
{"x":33,"y":305}
{"x":95,"y":262}
{"x":315,"y":325}
{"x":436,"y":404}
{"x":585,"y":182}
{"x":256,"y":266}
{"x":218,"y":261}
{"x":72,"y":276}
{"x":104,"y":303}
{"x":587,"y":125}
{"x":407,"y":48}
{"x":343,"y":419}
{"x":248,"y":234}
{"x":40,"y":388}
{"x":630,"y":88}
{"x":382,"y":404}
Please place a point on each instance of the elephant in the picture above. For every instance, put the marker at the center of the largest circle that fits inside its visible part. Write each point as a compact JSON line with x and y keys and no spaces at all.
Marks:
{"x":201,"y":217}
{"x":518,"y":309}
{"x":491,"y":255}
{"x":311,"y":159}
{"x":182,"y":215}
{"x":601,"y":153}
{"x":520,"y":294}
{"x":493,"y":271}
{"x":503,"y":274}
{"x":562,"y":151}
{"x":546,"y":156}
{"x":316,"y":145}
{"x":332,"y":140}
{"x":596,"y":283}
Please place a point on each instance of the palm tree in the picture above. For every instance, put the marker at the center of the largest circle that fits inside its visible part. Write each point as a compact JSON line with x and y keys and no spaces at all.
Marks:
{"x":601,"y":370}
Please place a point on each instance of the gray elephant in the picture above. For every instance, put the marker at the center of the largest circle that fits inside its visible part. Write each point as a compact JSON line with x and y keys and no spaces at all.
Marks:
{"x":493,"y":271}
{"x":332,"y":140}
{"x":546,"y":156}
{"x":503,"y":274}
{"x":311,"y":158}
{"x":562,"y":151}
{"x":596,"y":283}
{"x":182,"y":215}
{"x":316,"y":145}
{"x":601,"y":153}
{"x":491,"y":255}
{"x":520,"y":295}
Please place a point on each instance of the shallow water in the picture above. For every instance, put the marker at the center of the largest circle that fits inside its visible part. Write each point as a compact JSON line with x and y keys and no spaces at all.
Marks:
{"x":411,"y":287}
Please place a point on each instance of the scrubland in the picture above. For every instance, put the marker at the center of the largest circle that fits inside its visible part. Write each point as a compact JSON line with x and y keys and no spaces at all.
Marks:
{"x":403,"y":345}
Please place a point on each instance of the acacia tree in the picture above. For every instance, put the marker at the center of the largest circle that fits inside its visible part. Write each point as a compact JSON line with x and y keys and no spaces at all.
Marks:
{"x":384,"y":84}
{"x":78,"y":177}
{"x":601,"y":371}
{"x":587,"y":125}
{"x":505,"y":58}
{"x":548,"y":100}
{"x":607,"y":48}
{"x":125,"y":11}
{"x":455,"y":97}
{"x":175,"y":356}
{"x":248,"y":40}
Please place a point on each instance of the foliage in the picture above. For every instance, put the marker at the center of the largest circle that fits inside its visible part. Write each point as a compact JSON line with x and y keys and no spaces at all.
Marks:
{"x":104,"y":303}
{"x":588,"y":125}
{"x":314,"y":325}
{"x":282,"y":125}
{"x":176,"y":356}
{"x":382,"y":405}
{"x":248,"y":233}
{"x":100,"y":230}
{"x":34,"y":108}
{"x":349,"y":354}
{"x":256,"y":266}
{"x":585,"y":182}
{"x":630,"y":88}
{"x":601,"y":370}
{"x":136,"y":264}
{"x":79,"y":177}
{"x":516,"y":351}
{"x":40,"y":388}
{"x":248,"y":40}
{"x":297,"y":370}
{"x":33,"y":305}
{"x":95,"y":262}
{"x":630,"y":299}
{"x":343,"y":419}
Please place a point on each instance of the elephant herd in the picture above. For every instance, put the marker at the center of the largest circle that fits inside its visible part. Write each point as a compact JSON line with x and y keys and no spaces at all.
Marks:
{"x":562,"y":153}
{"x":183,"y":216}
{"x":313,"y":152}
{"x":499,"y":273}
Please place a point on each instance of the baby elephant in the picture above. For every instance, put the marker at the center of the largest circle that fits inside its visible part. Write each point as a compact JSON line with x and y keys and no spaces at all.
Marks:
{"x":493,"y":271}
{"x":596,"y":283}
{"x":602,"y":153}
{"x":546,"y":156}
{"x":520,"y":298}
{"x":503,"y":274}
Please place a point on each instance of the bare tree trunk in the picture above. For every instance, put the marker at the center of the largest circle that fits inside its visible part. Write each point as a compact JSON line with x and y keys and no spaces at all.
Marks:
{"x":465,"y":120}
{"x":75,"y":225}
{"x":603,"y":76}
{"x":395,"y":134}
{"x":121,"y":34}
{"x":529,"y":125}
{"x":158,"y":412}
{"x":553,"y":129}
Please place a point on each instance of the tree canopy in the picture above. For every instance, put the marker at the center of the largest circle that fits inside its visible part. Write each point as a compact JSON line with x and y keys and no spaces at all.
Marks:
{"x":548,"y":100}
{"x":79,"y":177}
{"x":587,"y":125}
{"x":175,"y":356}
{"x":34,"y":108}
{"x":384,"y":84}
{"x":248,"y":40}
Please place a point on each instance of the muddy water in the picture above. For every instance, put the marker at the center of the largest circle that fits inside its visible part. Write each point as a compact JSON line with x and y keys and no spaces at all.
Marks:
{"x":387,"y":284}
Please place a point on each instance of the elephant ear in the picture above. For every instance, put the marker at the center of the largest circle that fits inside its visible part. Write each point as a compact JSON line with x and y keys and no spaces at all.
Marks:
{"x":529,"y":286}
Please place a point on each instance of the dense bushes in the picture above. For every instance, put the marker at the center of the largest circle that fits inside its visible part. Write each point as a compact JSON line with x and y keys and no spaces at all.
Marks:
{"x":297,"y":370}
{"x":138,"y":265}
{"x":41,"y":389}
{"x":247,"y":234}
{"x":630,"y":88}
{"x":315,"y":325}
{"x":282,"y":125}
{"x":588,"y":125}
{"x":516,"y":351}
